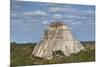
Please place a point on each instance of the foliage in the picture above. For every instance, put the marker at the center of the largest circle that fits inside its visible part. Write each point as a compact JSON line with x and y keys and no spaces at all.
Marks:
{"x":21,"y":55}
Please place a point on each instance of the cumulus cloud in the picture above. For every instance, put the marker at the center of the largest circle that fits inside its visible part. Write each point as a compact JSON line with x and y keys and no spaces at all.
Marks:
{"x":76,"y":23}
{"x":16,"y":22}
{"x":32,"y":20}
{"x":45,"y":22}
{"x":70,"y":16}
{"x":35,"y":13}
{"x":90,"y":13}
{"x":57,"y":16}
{"x":72,"y":12}
{"x":56,"y":9}
{"x":75,"y":17}
{"x":61,"y":10}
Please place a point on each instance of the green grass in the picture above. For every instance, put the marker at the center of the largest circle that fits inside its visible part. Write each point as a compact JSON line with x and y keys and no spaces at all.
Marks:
{"x":21,"y":56}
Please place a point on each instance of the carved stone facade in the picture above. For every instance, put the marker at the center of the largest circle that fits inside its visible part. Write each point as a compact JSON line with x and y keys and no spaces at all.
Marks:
{"x":59,"y":38}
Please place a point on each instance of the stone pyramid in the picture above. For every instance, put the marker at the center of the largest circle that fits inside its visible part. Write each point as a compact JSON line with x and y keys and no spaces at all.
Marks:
{"x":58,"y":40}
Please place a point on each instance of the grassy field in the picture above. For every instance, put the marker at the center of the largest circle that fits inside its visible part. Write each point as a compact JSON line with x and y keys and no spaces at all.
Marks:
{"x":21,"y":55}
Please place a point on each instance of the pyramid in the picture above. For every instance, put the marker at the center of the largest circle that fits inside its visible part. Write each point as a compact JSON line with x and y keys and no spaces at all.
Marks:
{"x":58,"y":40}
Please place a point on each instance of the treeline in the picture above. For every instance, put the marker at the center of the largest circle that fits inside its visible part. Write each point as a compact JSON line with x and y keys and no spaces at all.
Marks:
{"x":14,"y":43}
{"x":83,"y":42}
{"x":88,"y":42}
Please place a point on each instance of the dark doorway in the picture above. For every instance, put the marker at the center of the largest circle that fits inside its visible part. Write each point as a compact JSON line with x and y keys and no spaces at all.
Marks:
{"x":58,"y":53}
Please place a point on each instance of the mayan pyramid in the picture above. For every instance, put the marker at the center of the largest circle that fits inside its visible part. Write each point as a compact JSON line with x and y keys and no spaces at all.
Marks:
{"x":57,"y":37}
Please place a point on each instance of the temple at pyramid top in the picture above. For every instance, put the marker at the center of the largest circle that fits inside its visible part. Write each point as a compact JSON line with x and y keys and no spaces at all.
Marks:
{"x":58,"y":25}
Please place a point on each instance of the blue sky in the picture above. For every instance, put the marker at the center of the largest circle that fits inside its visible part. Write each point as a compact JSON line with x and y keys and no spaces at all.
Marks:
{"x":30,"y":19}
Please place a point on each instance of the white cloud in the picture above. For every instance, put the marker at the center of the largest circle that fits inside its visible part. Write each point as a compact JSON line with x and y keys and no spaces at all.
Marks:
{"x":76,"y":23}
{"x":68,"y":20}
{"x":73,"y":13}
{"x":51,"y":4}
{"x":16,"y":22}
{"x":35,"y":13}
{"x":32,"y":20}
{"x":61,"y":9}
{"x":77,"y":17}
{"x":89,"y":13}
{"x":56,"y":9}
{"x":70,"y":16}
{"x":57,"y":16}
{"x":45,"y":22}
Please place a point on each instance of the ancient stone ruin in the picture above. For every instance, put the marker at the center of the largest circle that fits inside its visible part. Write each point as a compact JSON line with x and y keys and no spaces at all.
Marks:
{"x":58,"y":40}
